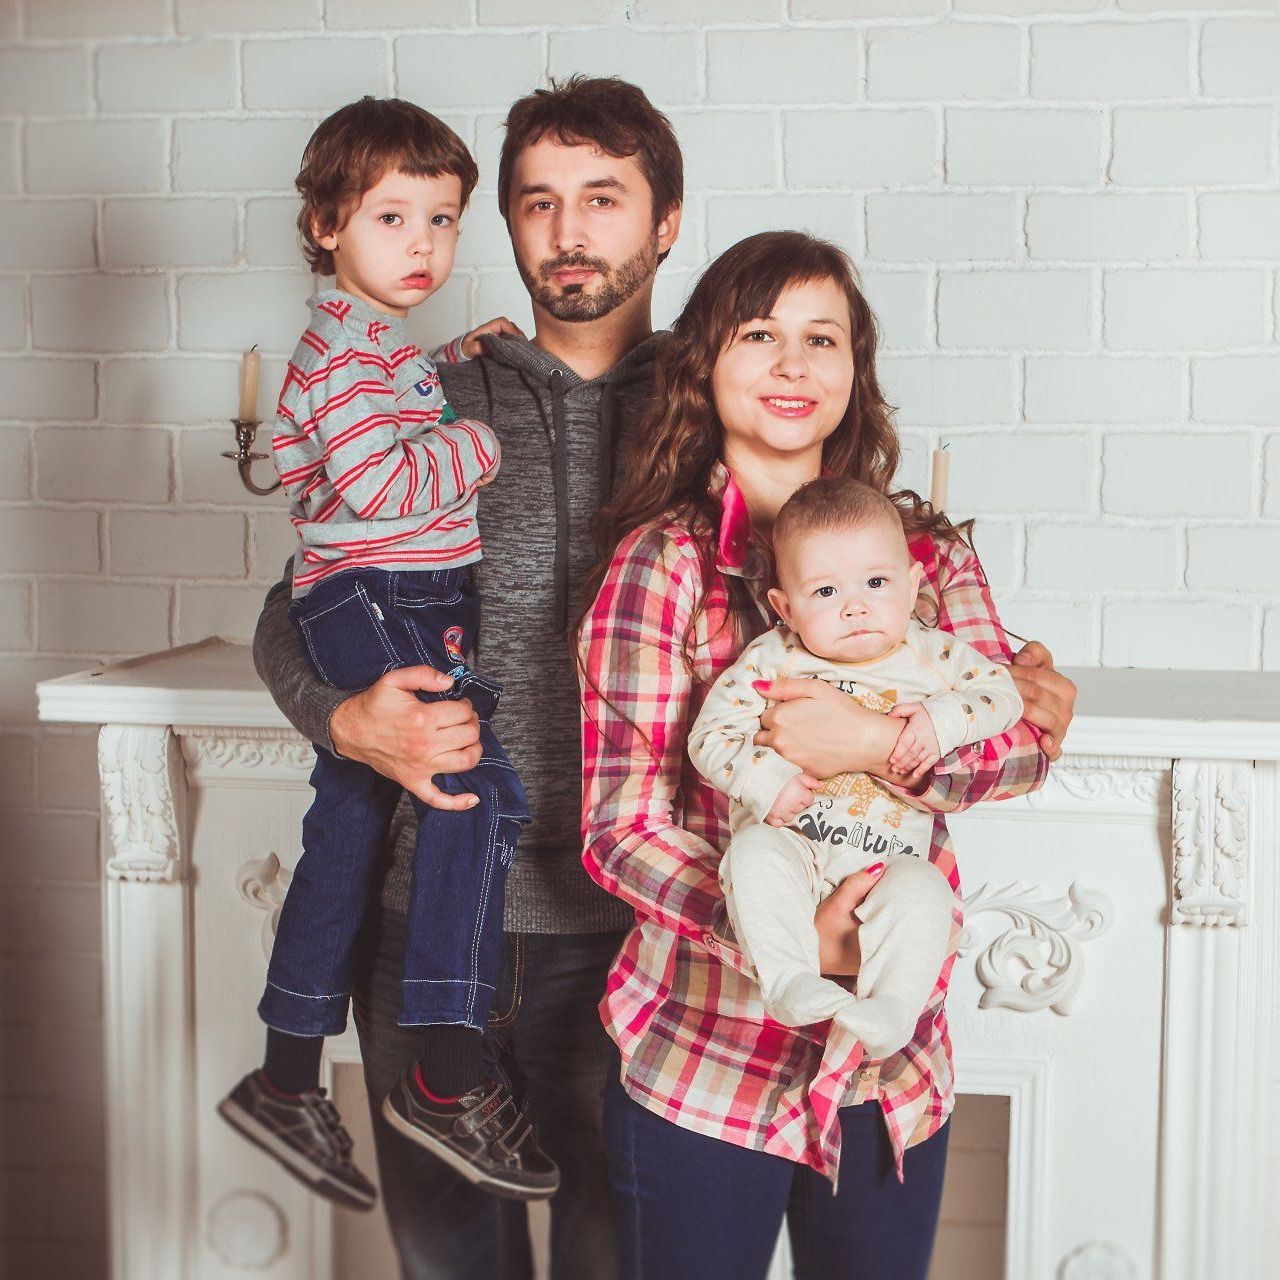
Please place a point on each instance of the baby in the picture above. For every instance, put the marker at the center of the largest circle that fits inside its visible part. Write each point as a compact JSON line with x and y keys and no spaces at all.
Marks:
{"x":846,"y":590}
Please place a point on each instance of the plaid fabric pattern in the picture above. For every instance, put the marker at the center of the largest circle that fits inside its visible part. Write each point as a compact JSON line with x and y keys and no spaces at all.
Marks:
{"x":696,"y":1044}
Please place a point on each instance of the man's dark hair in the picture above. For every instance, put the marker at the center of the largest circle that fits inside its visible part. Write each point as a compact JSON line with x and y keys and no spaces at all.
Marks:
{"x":355,"y":148}
{"x":602,"y":112}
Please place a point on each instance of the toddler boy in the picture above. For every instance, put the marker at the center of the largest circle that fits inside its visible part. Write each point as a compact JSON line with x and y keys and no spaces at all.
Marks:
{"x":846,"y":590}
{"x":383,"y":479}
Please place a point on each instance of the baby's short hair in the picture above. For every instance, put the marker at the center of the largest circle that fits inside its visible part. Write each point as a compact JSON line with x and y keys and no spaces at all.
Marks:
{"x":833,"y":502}
{"x":354,"y":148}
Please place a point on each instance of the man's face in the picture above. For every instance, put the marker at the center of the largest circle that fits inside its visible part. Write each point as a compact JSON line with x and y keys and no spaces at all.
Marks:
{"x":583,"y":231}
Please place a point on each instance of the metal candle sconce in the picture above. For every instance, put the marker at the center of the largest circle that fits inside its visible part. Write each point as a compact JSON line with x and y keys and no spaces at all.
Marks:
{"x":247,"y":423}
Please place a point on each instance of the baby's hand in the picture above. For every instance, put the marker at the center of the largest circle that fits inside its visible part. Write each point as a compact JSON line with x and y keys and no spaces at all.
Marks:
{"x":471,"y":344}
{"x":917,"y":747}
{"x":793,"y":800}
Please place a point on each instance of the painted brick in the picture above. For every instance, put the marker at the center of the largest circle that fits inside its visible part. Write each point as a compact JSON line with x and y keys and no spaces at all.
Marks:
{"x":382,"y":15}
{"x":1017,"y":8}
{"x":90,"y":156}
{"x":448,"y":314}
{"x":860,"y":148}
{"x":727,"y":149}
{"x":13,"y":317}
{"x":168,"y":233}
{"x":1014,"y":309}
{"x":483,"y":239}
{"x":489,"y":70}
{"x":502,"y":293}
{"x":238,"y":155}
{"x":271,"y":232}
{"x":1271,"y":478}
{"x":1234,"y":559}
{"x":99,"y":313}
{"x":940,"y":228}
{"x":1271,"y":640}
{"x":233,"y":312}
{"x":1236,"y":389}
{"x":943,"y":62}
{"x":43,"y":82}
{"x":670,"y":294}
{"x":198,"y":17}
{"x":102,"y":464}
{"x":730,"y":218}
{"x":844,"y":9}
{"x":319,"y":74}
{"x":1000,"y":473}
{"x":1146,"y":6}
{"x":1093,"y":557}
{"x":1155,"y":310}
{"x":1168,"y":475}
{"x":171,"y":389}
{"x":76,"y":20}
{"x":900,"y":302}
{"x":15,"y":476}
{"x":71,"y":984}
{"x":1240,"y":58}
{"x":43,"y":540}
{"x":231,"y":612}
{"x":68,"y":765}
{"x":1002,"y":553}
{"x":8,"y":156}
{"x":204,"y":475}
{"x":1191,"y":146}
{"x":95,"y":617}
{"x":1089,"y":228}
{"x":196,"y":76}
{"x":19,"y":676}
{"x":709,"y":11}
{"x":949,"y":391}
{"x":9,"y":19}
{"x":46,"y":233}
{"x":1211,"y":636}
{"x":272,"y":542}
{"x":1110,"y":61}
{"x":1103,"y":389}
{"x":665,"y":63}
{"x":15,"y":628}
{"x":915,"y":462}
{"x":741,"y":63}
{"x":1024,"y":148}
{"x":51,"y":390}
{"x":512,"y":13}
{"x":71,"y":911}
{"x":179,"y":544}
{"x":1240,"y":224}
{"x":17,"y":784}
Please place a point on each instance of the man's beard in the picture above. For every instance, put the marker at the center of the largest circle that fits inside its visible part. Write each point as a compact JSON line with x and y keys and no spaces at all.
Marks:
{"x":573,"y":302}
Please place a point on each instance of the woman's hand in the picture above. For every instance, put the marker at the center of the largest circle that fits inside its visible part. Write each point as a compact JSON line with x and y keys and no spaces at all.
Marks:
{"x":825,"y":732}
{"x":1048,"y":697}
{"x":387,"y":728}
{"x":837,"y":926}
{"x":501,"y":326}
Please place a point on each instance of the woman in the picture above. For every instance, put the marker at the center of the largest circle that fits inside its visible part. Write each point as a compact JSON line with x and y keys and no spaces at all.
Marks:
{"x":723,"y":1122}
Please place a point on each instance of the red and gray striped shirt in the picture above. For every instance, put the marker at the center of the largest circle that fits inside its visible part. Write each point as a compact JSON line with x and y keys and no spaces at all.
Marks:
{"x":381,"y":471}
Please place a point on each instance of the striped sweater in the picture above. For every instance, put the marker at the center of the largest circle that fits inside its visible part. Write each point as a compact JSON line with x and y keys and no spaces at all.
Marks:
{"x":381,"y":471}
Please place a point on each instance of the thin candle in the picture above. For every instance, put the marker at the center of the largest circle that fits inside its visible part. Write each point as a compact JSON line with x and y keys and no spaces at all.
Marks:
{"x":249,"y":366}
{"x":941,"y":475}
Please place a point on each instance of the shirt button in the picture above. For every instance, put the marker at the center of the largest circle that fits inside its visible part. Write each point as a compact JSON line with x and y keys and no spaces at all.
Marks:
{"x":867,"y":1072}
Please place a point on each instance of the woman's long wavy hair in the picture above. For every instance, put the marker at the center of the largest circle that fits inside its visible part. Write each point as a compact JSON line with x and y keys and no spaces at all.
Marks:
{"x":666,"y":473}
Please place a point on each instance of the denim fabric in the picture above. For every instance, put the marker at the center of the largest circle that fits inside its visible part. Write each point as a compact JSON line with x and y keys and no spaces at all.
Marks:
{"x":354,"y":627}
{"x":546,"y":1037}
{"x":691,"y":1207}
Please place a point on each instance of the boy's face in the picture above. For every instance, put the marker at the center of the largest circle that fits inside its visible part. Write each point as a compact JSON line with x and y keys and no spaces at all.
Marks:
{"x":847,"y":593}
{"x":396,"y":247}
{"x":583,"y":232}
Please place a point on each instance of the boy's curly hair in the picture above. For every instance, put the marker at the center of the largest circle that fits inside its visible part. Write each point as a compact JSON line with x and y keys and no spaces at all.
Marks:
{"x":355,"y":147}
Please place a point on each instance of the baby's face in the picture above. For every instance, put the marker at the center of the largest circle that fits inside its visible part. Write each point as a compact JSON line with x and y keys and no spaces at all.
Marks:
{"x":847,"y":593}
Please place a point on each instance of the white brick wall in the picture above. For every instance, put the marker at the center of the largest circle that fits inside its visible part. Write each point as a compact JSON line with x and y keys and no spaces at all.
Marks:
{"x":1067,"y":213}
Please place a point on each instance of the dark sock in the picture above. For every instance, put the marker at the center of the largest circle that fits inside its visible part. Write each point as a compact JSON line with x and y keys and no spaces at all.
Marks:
{"x":451,"y":1064}
{"x":292,"y":1064}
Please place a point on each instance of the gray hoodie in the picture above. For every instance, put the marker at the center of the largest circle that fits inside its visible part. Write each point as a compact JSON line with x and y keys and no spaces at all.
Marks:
{"x":559,"y":436}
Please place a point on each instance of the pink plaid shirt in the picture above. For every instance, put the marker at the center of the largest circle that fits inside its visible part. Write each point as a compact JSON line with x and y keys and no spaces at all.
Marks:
{"x":696,"y":1044}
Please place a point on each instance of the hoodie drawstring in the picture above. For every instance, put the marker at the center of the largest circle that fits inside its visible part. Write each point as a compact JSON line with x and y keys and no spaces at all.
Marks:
{"x":560,"y":476}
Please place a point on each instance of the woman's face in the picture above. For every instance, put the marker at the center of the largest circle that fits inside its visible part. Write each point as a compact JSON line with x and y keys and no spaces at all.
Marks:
{"x":782,"y":383}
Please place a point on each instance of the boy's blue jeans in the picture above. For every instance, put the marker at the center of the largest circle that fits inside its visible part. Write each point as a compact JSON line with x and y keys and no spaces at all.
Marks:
{"x":354,"y":627}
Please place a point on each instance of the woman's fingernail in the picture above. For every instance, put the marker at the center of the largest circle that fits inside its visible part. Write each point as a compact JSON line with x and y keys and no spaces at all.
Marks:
{"x":876,"y":869}
{"x":759,"y":685}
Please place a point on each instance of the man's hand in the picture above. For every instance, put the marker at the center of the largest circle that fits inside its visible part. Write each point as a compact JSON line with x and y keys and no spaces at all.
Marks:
{"x":793,"y":800}
{"x":837,"y":926}
{"x":1048,"y":697}
{"x":813,"y":725}
{"x":473,"y":347}
{"x":917,"y":748}
{"x":408,"y":741}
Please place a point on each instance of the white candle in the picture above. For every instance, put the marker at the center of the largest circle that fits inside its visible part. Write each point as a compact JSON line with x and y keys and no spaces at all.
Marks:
{"x":249,"y":385}
{"x":941,"y":473}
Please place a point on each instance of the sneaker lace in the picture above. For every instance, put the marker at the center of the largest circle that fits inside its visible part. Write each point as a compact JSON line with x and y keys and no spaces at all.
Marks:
{"x":332,"y":1122}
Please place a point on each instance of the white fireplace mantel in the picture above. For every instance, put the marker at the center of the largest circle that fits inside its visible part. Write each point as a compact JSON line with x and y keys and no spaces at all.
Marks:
{"x":1117,"y":979}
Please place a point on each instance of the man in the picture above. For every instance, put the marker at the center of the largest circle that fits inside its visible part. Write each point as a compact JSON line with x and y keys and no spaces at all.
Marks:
{"x":591,"y":185}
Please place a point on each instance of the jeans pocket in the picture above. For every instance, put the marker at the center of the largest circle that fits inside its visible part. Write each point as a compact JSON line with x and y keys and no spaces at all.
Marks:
{"x":344,"y":637}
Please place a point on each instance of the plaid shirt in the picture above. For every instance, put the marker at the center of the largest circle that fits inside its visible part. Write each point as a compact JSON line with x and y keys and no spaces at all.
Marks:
{"x":696,"y":1044}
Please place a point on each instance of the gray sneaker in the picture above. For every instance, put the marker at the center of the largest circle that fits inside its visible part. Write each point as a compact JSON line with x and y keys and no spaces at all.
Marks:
{"x":305,"y":1134}
{"x":484,"y":1137}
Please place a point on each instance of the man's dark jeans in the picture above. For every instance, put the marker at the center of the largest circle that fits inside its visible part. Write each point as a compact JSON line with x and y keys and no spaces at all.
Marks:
{"x":545,"y":1034}
{"x":356,"y":626}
